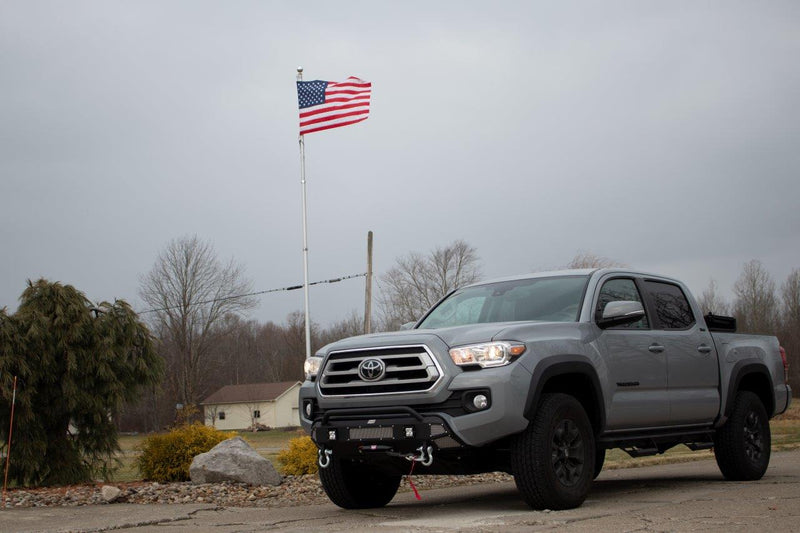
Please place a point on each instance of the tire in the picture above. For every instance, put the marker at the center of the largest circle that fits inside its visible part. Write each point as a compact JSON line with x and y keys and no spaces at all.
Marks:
{"x":599,"y":459}
{"x":553,"y":460}
{"x":356,"y":486}
{"x":742,"y":445}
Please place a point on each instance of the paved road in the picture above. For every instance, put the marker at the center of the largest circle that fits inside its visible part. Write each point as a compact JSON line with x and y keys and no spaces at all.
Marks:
{"x":678,"y":497}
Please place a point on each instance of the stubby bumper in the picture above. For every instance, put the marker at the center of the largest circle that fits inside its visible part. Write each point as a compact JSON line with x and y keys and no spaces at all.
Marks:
{"x":400,"y":423}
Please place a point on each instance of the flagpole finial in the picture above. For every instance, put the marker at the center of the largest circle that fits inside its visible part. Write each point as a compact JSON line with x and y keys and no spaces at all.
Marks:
{"x":299,"y":73}
{"x":299,"y":70}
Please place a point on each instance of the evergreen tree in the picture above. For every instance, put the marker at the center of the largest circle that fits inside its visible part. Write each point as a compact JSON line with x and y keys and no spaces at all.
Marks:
{"x":76,"y":363}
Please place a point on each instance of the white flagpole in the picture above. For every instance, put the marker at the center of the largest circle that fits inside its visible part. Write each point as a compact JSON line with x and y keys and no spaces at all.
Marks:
{"x":305,"y":232}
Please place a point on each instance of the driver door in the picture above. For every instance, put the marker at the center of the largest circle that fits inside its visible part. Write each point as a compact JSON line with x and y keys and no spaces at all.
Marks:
{"x":636,"y":366}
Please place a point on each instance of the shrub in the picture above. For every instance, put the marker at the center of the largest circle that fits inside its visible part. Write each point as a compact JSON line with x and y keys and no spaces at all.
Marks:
{"x":167,"y":457}
{"x":300,"y":458}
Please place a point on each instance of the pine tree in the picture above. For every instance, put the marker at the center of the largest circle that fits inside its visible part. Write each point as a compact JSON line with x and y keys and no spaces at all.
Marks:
{"x":76,"y":364}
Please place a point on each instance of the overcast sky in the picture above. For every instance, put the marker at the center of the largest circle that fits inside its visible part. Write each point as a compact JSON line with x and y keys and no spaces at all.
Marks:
{"x":662,"y":135}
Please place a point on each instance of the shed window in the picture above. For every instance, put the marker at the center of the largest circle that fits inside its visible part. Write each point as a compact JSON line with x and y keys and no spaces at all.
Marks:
{"x":256,"y":414}
{"x":221,"y":415}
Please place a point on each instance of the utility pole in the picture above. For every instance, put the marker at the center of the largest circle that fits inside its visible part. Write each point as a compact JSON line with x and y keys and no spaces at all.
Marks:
{"x":368,"y":295}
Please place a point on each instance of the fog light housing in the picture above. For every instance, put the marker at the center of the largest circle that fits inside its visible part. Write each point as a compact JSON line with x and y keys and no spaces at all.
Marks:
{"x":476,"y":400}
{"x":308,"y":408}
{"x":480,"y":401}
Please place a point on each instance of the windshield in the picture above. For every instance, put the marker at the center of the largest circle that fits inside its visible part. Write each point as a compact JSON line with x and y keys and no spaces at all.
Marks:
{"x":555,"y":299}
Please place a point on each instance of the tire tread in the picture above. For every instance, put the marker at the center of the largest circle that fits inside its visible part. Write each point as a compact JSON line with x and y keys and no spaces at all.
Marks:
{"x":531,"y":470}
{"x":728,"y":442}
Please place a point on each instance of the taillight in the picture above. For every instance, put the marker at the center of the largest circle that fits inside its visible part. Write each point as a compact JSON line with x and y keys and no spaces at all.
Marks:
{"x":785,"y":366}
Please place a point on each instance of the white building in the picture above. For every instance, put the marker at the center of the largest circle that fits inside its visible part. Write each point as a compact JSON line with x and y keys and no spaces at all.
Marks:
{"x":242,"y":406}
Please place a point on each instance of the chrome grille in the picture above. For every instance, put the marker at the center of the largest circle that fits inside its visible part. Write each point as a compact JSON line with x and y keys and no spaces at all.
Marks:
{"x":408,"y":369}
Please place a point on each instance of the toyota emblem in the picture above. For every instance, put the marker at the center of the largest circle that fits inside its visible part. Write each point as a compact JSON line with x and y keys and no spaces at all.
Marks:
{"x":371,"y":369}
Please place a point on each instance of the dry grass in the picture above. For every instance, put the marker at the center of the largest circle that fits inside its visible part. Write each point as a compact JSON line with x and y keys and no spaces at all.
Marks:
{"x":792,"y":413}
{"x":785,"y":436}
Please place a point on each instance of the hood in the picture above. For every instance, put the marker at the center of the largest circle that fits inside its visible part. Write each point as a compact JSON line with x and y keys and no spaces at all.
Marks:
{"x":455,"y":336}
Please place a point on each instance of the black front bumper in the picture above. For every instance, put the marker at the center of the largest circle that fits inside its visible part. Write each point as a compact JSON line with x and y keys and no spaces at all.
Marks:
{"x":393,"y":431}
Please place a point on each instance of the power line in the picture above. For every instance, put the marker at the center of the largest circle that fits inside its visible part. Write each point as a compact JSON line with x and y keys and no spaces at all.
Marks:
{"x":258,"y":293}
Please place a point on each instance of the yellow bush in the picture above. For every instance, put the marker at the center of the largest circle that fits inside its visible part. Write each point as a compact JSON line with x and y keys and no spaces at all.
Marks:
{"x":167,"y":457}
{"x":300,"y":458}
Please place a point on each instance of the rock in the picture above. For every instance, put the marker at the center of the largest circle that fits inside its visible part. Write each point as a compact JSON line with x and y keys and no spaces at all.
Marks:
{"x":233,"y":460}
{"x":110,"y":493}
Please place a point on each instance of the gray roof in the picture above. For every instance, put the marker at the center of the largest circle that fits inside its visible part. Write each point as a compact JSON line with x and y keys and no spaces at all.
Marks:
{"x":251,"y":392}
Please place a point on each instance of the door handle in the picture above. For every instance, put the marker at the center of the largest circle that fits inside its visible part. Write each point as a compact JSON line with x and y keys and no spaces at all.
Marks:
{"x":656,"y":348}
{"x":703,"y":348}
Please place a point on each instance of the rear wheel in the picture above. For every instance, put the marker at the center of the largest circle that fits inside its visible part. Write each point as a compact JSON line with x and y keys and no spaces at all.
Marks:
{"x":553,"y":459}
{"x":742,"y":445}
{"x":357,"y":486}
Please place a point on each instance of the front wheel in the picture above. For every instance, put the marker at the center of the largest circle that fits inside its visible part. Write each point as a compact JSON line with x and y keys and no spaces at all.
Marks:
{"x":553,"y":460}
{"x":353,"y":485}
{"x":742,"y":445}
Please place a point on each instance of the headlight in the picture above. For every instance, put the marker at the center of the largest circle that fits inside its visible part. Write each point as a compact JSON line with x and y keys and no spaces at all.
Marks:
{"x":311,"y":366}
{"x":488,"y":354}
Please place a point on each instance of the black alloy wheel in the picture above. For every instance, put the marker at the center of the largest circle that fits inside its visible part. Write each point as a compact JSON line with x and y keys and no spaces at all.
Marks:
{"x":753,"y":437}
{"x":568,"y":453}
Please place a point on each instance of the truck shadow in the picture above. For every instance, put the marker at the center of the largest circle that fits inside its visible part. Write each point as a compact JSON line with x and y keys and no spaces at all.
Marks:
{"x":503,"y":497}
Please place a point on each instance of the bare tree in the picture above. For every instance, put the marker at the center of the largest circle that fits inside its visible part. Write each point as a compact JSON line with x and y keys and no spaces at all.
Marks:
{"x":756,"y":307}
{"x":191,"y":292}
{"x":349,"y":327}
{"x":584,"y":259}
{"x":712,"y":302}
{"x":254,"y":409}
{"x":790,"y":325}
{"x":418,"y":281}
{"x":790,"y":294}
{"x":212,"y":413}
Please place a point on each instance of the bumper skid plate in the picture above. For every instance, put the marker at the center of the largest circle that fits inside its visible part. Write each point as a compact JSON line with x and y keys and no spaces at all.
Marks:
{"x":352,"y":432}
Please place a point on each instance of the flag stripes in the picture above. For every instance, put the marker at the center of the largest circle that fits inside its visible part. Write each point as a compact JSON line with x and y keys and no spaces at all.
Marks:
{"x":327,"y":104}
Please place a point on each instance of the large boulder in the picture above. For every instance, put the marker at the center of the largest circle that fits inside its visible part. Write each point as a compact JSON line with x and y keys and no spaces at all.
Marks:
{"x":235,"y":461}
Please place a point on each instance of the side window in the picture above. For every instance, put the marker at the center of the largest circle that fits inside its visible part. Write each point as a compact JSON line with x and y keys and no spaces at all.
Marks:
{"x":221,"y":415}
{"x":672,"y":307}
{"x":621,"y":289}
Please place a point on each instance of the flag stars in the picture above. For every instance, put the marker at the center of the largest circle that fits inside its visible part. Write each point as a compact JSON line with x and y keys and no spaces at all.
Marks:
{"x":311,"y":93}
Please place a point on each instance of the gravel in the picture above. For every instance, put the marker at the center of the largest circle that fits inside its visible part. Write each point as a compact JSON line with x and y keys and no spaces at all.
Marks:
{"x":294,"y":490}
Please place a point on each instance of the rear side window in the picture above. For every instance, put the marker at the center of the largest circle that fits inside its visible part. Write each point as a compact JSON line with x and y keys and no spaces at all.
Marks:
{"x":671,"y":306}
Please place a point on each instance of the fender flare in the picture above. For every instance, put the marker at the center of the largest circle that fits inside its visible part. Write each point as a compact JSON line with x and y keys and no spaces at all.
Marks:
{"x":742,"y":369}
{"x":558,"y":366}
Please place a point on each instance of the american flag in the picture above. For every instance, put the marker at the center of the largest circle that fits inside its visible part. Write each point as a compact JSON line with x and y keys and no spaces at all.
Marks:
{"x":330,"y":104}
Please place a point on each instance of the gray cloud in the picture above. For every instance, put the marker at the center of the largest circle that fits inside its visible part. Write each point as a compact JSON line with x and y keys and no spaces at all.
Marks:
{"x":661,"y":136}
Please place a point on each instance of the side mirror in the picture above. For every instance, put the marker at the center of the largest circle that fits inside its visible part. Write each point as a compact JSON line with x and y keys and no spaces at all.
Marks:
{"x":619,"y":313}
{"x":407,"y":325}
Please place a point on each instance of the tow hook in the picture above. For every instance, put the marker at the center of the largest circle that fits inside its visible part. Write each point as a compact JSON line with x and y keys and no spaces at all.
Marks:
{"x":425,"y":456}
{"x":324,"y":457}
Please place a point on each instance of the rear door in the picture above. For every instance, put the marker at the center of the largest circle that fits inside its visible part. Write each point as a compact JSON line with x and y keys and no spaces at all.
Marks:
{"x":692,"y":366}
{"x":637,"y":374}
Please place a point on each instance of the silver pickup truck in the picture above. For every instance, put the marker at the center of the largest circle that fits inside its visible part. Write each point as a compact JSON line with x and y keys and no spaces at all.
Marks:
{"x":538,"y":376}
